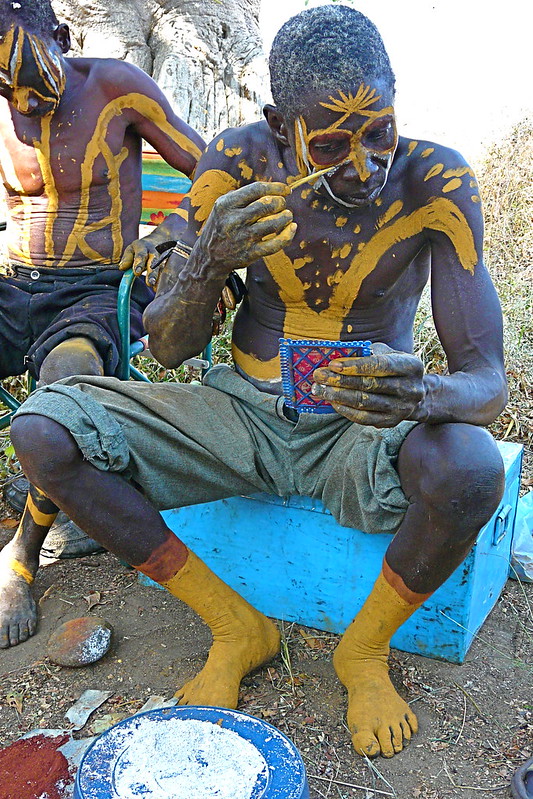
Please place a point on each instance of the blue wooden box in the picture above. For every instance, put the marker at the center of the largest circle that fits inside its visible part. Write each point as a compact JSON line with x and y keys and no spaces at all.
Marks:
{"x":319,"y":574}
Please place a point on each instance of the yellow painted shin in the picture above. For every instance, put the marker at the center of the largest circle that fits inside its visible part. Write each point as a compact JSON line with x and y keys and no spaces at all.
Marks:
{"x":379,"y":720}
{"x":243,"y":638}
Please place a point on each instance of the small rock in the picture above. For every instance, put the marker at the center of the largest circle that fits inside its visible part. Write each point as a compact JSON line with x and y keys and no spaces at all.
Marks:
{"x":79,"y":642}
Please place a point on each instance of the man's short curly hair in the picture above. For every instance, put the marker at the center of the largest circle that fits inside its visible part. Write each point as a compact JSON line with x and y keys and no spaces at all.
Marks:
{"x":323,"y":49}
{"x":36,"y":16}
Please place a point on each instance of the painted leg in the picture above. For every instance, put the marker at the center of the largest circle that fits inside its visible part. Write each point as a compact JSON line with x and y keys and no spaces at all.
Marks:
{"x":125,"y":523}
{"x":243,"y":639}
{"x":453,"y":477}
{"x":19,"y":561}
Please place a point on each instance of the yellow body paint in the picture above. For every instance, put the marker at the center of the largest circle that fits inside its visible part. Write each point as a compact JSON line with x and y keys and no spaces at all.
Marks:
{"x":220,"y":145}
{"x":231,"y":151}
{"x":427,"y":152}
{"x":243,"y":638}
{"x":453,"y":184}
{"x":40,"y":519}
{"x":439,"y":214}
{"x":412,"y":147}
{"x":42,"y":151}
{"x":341,"y":221}
{"x":390,"y":213}
{"x":360,"y":661}
{"x":436,"y":169}
{"x":458,"y":173}
{"x":97,"y":146}
{"x":245,"y":169}
{"x":21,"y":570}
{"x":210,"y":185}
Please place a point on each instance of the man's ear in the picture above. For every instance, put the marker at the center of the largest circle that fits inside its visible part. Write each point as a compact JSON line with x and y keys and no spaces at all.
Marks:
{"x":276,"y":124}
{"x":61,"y":36}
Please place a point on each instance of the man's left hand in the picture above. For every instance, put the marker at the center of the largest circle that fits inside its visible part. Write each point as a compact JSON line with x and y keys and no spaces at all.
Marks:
{"x":381,"y":389}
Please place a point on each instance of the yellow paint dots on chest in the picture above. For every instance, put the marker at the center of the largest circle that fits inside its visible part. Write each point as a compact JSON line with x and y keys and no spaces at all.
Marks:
{"x":299,"y":262}
{"x":453,"y":184}
{"x":306,"y":193}
{"x":280,"y":164}
{"x":220,"y":145}
{"x":341,"y":221}
{"x":246,"y":170}
{"x":335,"y":278}
{"x":475,"y":198}
{"x":231,"y":151}
{"x":357,"y":229}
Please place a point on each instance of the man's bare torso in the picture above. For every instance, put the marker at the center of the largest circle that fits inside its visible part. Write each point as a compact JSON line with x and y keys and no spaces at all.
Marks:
{"x":349,"y":273}
{"x":65,"y":175}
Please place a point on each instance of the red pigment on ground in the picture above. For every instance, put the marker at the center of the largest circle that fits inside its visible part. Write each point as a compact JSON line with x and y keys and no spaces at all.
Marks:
{"x":32,"y":767}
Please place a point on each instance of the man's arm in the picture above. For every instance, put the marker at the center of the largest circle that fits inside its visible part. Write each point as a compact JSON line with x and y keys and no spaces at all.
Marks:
{"x":390,"y":386}
{"x":148,"y":111}
{"x":229,"y":227}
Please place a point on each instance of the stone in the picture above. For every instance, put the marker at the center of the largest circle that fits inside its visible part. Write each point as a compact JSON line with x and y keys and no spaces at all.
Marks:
{"x":80,"y":642}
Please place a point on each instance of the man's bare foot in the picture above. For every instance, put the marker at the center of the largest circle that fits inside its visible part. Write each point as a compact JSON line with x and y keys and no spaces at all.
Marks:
{"x":230,"y":658}
{"x":378,"y":718}
{"x":18,"y":611}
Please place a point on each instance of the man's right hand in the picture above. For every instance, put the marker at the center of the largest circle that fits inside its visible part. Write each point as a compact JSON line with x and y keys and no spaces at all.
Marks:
{"x":246,"y":224}
{"x":138,"y":255}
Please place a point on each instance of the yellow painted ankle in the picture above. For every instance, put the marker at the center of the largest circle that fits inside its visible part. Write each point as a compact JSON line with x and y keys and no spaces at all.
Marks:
{"x":21,"y":570}
{"x":243,"y":638}
{"x":378,"y":718}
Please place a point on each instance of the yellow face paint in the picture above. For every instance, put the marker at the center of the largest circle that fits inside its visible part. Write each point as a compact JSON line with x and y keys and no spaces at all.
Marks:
{"x":334,"y":145}
{"x":32,"y":71}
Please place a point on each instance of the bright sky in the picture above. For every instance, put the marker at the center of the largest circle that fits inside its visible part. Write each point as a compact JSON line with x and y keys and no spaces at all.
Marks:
{"x":463,"y":67}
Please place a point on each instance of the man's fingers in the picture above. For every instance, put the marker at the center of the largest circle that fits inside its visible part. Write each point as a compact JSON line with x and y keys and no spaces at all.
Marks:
{"x":380,"y":420}
{"x":359,"y":400}
{"x":243,"y":197}
{"x":273,"y":244}
{"x":271,"y":224}
{"x":394,"y":363}
{"x":126,"y":260}
{"x":393,"y":386}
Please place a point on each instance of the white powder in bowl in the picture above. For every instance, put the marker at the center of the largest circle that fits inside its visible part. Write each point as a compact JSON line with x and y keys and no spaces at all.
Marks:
{"x":189,"y":759}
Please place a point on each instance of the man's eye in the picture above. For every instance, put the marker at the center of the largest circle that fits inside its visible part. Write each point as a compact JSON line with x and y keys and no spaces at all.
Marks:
{"x":328,"y":148}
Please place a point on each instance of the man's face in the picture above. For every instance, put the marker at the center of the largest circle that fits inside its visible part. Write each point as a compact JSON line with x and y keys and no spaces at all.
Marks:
{"x":32,"y":76}
{"x":354,"y":132}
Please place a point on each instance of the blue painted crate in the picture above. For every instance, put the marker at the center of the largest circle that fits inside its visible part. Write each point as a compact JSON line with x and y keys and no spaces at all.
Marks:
{"x":319,"y":574}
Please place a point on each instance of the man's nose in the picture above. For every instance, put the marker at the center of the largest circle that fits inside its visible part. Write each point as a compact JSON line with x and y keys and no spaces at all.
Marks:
{"x":360,"y":166}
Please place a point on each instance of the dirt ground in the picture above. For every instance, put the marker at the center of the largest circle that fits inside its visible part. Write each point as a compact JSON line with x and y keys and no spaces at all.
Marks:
{"x":476,"y":719}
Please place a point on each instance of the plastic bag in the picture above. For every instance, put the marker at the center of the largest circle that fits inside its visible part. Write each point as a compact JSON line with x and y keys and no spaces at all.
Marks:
{"x":522,"y":547}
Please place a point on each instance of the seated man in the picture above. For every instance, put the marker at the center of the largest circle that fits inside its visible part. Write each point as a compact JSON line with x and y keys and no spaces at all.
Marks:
{"x":71,"y":131}
{"x":345,"y":257}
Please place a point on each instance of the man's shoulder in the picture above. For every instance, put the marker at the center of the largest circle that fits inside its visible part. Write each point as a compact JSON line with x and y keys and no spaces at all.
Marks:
{"x":421,"y":161}
{"x":114,"y":76}
{"x":240,"y":150}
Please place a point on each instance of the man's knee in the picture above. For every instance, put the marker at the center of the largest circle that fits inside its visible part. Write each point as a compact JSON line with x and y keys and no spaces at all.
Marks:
{"x":74,"y":356}
{"x":456,"y":470}
{"x":44,"y":448}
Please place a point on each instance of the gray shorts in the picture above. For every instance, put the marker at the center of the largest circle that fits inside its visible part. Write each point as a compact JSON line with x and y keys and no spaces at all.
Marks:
{"x":185,"y":444}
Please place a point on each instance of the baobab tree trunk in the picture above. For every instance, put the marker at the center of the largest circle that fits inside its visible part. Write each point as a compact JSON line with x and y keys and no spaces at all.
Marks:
{"x":205,"y":54}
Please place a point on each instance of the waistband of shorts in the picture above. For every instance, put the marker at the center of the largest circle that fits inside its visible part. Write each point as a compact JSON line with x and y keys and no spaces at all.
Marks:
{"x":25,"y":272}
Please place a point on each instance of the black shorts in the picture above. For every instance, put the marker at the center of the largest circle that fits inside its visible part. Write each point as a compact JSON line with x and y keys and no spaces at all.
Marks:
{"x":38,"y":314}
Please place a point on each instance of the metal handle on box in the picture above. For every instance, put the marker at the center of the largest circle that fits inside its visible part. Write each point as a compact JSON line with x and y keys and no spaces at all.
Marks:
{"x":501,"y":524}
